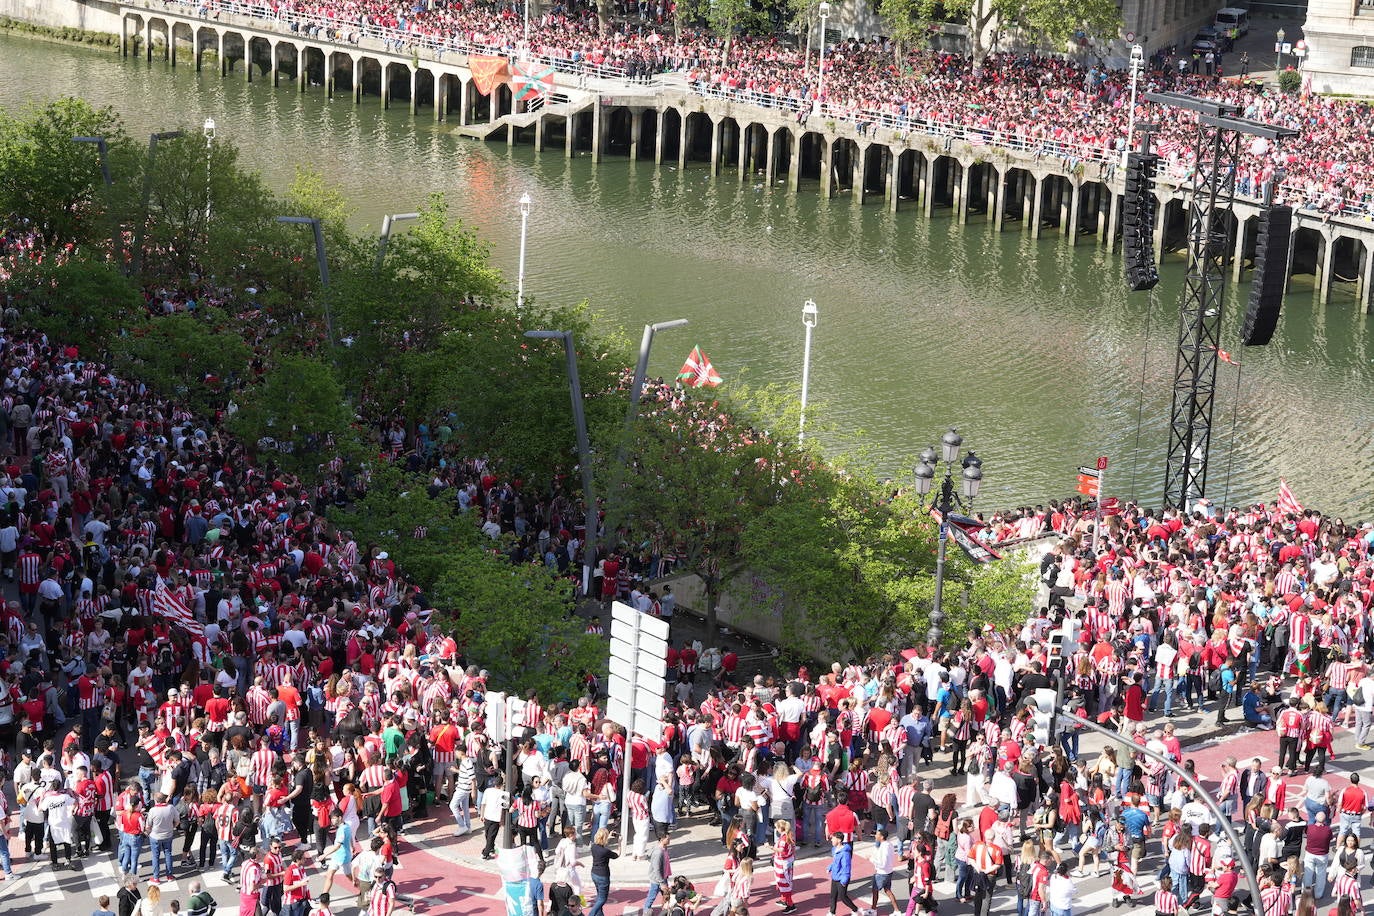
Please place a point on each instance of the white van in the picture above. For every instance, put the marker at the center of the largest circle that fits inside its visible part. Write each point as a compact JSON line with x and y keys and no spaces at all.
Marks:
{"x":1232,"y":21}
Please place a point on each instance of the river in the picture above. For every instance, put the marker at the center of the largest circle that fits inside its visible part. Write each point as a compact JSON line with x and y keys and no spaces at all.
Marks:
{"x":1032,"y":348}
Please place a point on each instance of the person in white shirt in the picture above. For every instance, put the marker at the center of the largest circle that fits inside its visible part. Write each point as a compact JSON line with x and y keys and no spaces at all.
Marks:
{"x":1062,"y":891}
{"x":1364,"y":711}
{"x":883,"y":855}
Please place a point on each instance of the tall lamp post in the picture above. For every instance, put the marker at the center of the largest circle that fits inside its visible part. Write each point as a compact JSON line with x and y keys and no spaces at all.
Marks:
{"x":208,"y":130}
{"x":524,"y":228}
{"x":945,"y":502}
{"x":1279,"y":36}
{"x":153,"y":140}
{"x":825,"y":14}
{"x":584,"y":450}
{"x":323,"y":264}
{"x":388,"y":223}
{"x":646,"y":343}
{"x":809,"y":314}
{"x":1137,"y":64}
{"x":102,"y":148}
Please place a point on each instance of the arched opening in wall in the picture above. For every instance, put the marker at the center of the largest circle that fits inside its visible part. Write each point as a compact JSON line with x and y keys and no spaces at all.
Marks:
{"x":842,"y":158}
{"x":909,"y":163}
{"x":672,"y":133}
{"x":648,"y":134}
{"x":183,"y":40}
{"x":481,"y":105}
{"x":1175,"y":218}
{"x":874,"y":179}
{"x":1052,"y":200}
{"x":810,"y":155}
{"x":341,"y":72}
{"x":1346,"y":267}
{"x":502,"y":100}
{"x":369,"y":77}
{"x":1305,"y":258}
{"x":729,"y":142}
{"x":235,"y":51}
{"x":161,"y":38}
{"x":979,"y":175}
{"x":1224,"y":224}
{"x":424,"y":87}
{"x":1016,"y":184}
{"x":940,"y":188}
{"x":314,"y":59}
{"x":397,"y":82}
{"x":582,"y":131}
{"x":784,"y":154}
{"x":206,"y":41}
{"x":698,"y":139}
{"x":259,"y":57}
{"x":1091,"y":200}
{"x":616,"y":125}
{"x":287,"y":62}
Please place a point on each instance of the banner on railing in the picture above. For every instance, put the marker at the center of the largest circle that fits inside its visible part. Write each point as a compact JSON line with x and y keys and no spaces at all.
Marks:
{"x":488,"y":72}
{"x":532,"y":80}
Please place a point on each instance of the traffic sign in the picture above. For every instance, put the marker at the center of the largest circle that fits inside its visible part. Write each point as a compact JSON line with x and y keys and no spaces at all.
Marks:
{"x":1102,"y":463}
{"x":1088,"y":472}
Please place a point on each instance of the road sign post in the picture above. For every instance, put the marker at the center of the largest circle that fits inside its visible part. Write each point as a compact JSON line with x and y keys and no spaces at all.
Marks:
{"x":638,"y":667}
{"x":1101,"y":476}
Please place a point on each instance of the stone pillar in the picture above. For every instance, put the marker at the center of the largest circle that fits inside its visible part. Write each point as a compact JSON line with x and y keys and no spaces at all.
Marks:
{"x":1328,"y":264}
{"x":684,"y":140}
{"x":998,"y":199}
{"x":636,"y":127}
{"x":858,"y":172}
{"x":1037,"y":207}
{"x":465,"y":102}
{"x":828,"y":167}
{"x":440,"y":97}
{"x":539,"y":133}
{"x":414,"y":80}
{"x":795,"y":165}
{"x":717,"y":128}
{"x":223,"y":65}
{"x":965,"y":189}
{"x":1029,"y":199}
{"x":1366,"y":297}
{"x":569,"y":133}
{"x":123,"y":34}
{"x":894,"y":178}
{"x":247,"y":59}
{"x":658,"y":136}
{"x":596,"y":131}
{"x":148,"y":40}
{"x":770,"y":165}
{"x":301,"y":59}
{"x":1238,"y":248}
{"x":1075,"y":201}
{"x":1158,"y":233}
{"x":357,"y":80}
{"x":1113,"y":219}
{"x":746,"y":134}
{"x":272,"y":53}
{"x":172,"y":45}
{"x":386,"y":84}
{"x":927,"y":185}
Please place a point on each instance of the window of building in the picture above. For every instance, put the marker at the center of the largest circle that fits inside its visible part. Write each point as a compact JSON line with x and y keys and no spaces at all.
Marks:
{"x":1362,"y":56}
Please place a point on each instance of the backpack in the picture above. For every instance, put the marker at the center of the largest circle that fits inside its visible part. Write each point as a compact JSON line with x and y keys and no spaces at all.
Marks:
{"x":1024,"y":882}
{"x":944,"y":826}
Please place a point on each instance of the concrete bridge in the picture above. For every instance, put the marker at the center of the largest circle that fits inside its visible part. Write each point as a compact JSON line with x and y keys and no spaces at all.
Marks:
{"x":1001,"y":181}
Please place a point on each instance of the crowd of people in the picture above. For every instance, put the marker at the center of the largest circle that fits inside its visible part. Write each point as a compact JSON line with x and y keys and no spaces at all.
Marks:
{"x":195,"y":656}
{"x":1067,"y":108}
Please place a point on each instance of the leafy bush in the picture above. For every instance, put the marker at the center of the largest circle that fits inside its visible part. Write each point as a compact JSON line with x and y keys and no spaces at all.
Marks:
{"x":1290,"y":81}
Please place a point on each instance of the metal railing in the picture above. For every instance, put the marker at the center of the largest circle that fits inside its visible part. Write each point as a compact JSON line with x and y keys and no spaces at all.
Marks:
{"x":395,"y":40}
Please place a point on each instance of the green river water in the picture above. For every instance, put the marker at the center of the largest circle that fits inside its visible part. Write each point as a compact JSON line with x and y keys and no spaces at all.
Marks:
{"x":1032,"y":348}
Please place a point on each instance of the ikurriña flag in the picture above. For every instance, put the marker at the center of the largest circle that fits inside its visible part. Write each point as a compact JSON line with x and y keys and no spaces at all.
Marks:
{"x":698,"y":372}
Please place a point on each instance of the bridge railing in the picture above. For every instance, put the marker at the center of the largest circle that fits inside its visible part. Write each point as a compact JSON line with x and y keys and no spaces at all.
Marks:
{"x":397,"y":40}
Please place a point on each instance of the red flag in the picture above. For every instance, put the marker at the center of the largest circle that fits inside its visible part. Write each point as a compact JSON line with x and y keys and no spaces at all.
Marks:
{"x":1287,"y":504}
{"x":488,"y":72}
{"x":167,"y":605}
{"x":698,"y":372}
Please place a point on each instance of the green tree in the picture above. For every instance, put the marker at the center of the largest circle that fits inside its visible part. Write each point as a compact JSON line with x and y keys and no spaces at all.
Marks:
{"x":1050,"y":23}
{"x":194,"y":357}
{"x":297,"y":412}
{"x":907,"y":21}
{"x":50,"y":180}
{"x":1001,"y":593}
{"x":693,"y":483}
{"x":79,"y":301}
{"x":513,"y":619}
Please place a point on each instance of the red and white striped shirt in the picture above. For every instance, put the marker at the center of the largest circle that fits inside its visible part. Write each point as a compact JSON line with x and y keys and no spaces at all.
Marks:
{"x":639,"y":806}
{"x":1165,"y":903}
{"x":263,"y":759}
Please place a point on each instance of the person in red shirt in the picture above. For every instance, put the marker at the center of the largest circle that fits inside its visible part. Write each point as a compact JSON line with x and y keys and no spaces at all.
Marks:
{"x":390,"y":797}
{"x":1353,"y":804}
{"x":841,"y":819}
{"x":296,"y":886}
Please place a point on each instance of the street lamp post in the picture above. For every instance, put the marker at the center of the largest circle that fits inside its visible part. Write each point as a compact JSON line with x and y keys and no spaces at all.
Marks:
{"x":103,"y":150}
{"x":584,"y":450}
{"x":148,"y":192}
{"x":1137,"y":64}
{"x":809,"y":314}
{"x":646,"y":343}
{"x":825,"y":14}
{"x":209,"y":131}
{"x":1278,"y":49}
{"x":318,"y":228}
{"x":524,"y":227}
{"x":945,"y":503}
{"x":389,"y":221}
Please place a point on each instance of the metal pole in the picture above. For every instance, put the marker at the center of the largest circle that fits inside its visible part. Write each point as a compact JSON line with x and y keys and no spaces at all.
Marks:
{"x":1097,"y":513}
{"x":209,"y":131}
{"x":508,"y":832}
{"x":388,"y":222}
{"x":102,"y":150}
{"x":1237,"y":847}
{"x":937,"y":613}
{"x":1130,"y":124}
{"x":809,"y":320}
{"x":584,"y":450}
{"x":148,"y":194}
{"x":524,"y":226}
{"x":646,"y":343}
{"x":820,"y":68}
